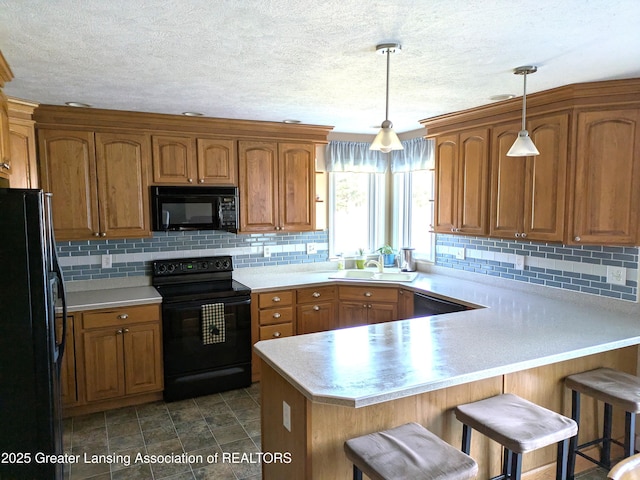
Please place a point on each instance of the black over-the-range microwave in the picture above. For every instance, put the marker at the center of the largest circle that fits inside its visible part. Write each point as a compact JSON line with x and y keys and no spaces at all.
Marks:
{"x":194,"y":208}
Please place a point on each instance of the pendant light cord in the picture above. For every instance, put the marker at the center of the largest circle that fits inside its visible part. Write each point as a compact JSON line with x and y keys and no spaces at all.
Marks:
{"x":524,"y":103}
{"x":386,"y":112}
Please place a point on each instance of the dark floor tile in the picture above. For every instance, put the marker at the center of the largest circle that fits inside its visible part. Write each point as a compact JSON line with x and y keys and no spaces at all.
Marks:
{"x":140,"y":471}
{"x":242,"y":403}
{"x":191,"y":442}
{"x":126,"y":428}
{"x":156,"y":435}
{"x":248,"y":465}
{"x":164,"y":470}
{"x":90,"y":421}
{"x":166,"y":447}
{"x":186,"y":415}
{"x":222,"y":420}
{"x":155,"y":421}
{"x":125,"y":442}
{"x":252,"y":427}
{"x":96,"y":436}
{"x":258,"y":441}
{"x":181,"y":405}
{"x":226,"y":435}
{"x":245,"y":470}
{"x":151,"y":409}
{"x":181,"y":476}
{"x":210,"y":455}
{"x":121,"y":415}
{"x":218,"y":471}
{"x":126,"y":458}
{"x":231,"y":394}
{"x":249,"y":414}
{"x":84,"y":470}
{"x":209,"y":400}
{"x":215,"y":409}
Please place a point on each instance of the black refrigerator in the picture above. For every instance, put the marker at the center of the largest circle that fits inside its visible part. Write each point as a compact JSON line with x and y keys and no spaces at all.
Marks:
{"x":31,"y":287}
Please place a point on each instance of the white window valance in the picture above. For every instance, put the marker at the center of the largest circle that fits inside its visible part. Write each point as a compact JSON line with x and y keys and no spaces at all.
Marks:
{"x":418,"y":154}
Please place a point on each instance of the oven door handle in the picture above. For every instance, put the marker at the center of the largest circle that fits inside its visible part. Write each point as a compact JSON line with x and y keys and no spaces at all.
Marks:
{"x":234,"y":304}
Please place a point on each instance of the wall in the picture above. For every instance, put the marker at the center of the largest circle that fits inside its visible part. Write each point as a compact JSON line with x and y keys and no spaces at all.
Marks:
{"x":577,"y":268}
{"x":81,"y":260}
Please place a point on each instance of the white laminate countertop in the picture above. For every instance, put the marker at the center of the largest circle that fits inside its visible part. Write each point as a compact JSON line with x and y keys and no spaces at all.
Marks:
{"x":365,"y":365}
{"x":112,"y":298}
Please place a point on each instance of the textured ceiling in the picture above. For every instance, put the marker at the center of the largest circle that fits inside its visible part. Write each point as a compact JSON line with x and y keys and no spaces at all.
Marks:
{"x":309,"y":60}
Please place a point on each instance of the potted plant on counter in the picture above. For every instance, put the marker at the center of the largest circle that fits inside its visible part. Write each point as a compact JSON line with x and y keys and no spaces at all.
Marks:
{"x":360,"y":259}
{"x":388,"y":255}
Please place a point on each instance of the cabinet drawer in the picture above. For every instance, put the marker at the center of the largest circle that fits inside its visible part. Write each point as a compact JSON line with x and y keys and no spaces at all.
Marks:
{"x":276,"y":331}
{"x":376,"y":294}
{"x":274,"y":299}
{"x":121,"y":316}
{"x":315,"y":294}
{"x":276,"y":315}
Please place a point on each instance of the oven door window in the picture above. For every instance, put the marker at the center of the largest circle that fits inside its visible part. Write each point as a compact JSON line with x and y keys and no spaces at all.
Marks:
{"x":184,"y":350}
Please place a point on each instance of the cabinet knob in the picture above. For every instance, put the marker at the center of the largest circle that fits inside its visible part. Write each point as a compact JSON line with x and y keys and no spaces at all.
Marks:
{"x":316,"y":308}
{"x":458,"y":230}
{"x":364,"y":305}
{"x":97,"y":234}
{"x":369,"y":306}
{"x":453,"y":230}
{"x":517,"y":235}
{"x":401,"y":292}
{"x":5,"y":165}
{"x":276,"y":334}
{"x":275,"y":299}
{"x":103,"y":234}
{"x":276,"y":315}
{"x":367,"y":294}
{"x":123,"y":316}
{"x":577,"y":239}
{"x":119,"y":332}
{"x":201,"y":180}
{"x":524,"y":235}
{"x":126,"y":330}
{"x":190,"y":180}
{"x":315,"y":294}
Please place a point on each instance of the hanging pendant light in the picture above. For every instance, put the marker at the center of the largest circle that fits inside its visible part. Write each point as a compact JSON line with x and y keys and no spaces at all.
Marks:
{"x":523,"y":146}
{"x":387,"y":140}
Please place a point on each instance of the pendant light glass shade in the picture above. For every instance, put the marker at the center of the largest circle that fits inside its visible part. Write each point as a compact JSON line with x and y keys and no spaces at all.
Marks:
{"x":523,"y":146}
{"x":386,"y":139}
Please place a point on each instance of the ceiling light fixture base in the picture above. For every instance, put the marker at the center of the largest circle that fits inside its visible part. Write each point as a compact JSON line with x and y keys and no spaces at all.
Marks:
{"x":526,"y":69}
{"x":383,"y":48}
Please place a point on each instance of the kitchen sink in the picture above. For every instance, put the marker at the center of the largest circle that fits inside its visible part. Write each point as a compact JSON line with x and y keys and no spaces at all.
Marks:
{"x":375,"y":276}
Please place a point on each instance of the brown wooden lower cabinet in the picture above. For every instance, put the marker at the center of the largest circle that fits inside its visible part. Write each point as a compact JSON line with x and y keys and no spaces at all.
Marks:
{"x":364,"y":305}
{"x":118,"y":358}
{"x":316,"y":317}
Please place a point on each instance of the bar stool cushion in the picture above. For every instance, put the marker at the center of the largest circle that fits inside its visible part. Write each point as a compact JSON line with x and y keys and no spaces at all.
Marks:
{"x":409,"y":451}
{"x":609,"y":386}
{"x":516,"y":423}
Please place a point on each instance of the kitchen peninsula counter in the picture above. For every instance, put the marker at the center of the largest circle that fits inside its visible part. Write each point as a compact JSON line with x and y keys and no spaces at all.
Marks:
{"x":344,"y":383}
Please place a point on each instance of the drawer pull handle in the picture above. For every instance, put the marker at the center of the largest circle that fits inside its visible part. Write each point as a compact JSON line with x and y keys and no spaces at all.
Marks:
{"x":316,"y":308}
{"x":367,"y":294}
{"x":123,"y":316}
{"x":276,"y":334}
{"x":315,"y":294}
{"x":276,"y":315}
{"x":275,"y":299}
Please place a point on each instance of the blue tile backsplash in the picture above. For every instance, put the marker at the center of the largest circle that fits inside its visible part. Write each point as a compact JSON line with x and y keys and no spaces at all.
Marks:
{"x":577,"y":268}
{"x":82,"y":260}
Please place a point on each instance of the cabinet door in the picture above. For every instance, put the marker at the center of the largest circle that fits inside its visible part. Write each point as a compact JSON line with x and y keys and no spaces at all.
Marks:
{"x":123,"y":195}
{"x":473,"y":172}
{"x":24,"y":172}
{"x":405,"y":304}
{"x":545,"y":188}
{"x":67,"y":162}
{"x":317,"y":317}
{"x":173,"y":160}
{"x":258,"y":186}
{"x":606,"y":197}
{"x":382,"y":312}
{"x":103,"y":363}
{"x":217,"y":162}
{"x":507,"y":184}
{"x":296,"y":186}
{"x":446,"y":184}
{"x":352,"y":314}
{"x":142,"y":358}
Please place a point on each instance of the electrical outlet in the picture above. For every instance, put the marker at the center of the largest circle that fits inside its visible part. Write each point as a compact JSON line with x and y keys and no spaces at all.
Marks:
{"x":616,"y":275}
{"x":519,"y":262}
{"x":460,"y":253}
{"x":266,"y":251}
{"x":286,"y":415}
{"x":107,"y":261}
{"x":311,"y":248}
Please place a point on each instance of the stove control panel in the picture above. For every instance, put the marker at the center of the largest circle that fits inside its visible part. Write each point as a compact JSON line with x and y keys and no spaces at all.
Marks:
{"x":192,"y":265}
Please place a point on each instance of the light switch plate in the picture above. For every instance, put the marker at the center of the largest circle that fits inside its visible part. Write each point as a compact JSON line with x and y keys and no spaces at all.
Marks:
{"x":460,"y":253}
{"x":519,"y":262}
{"x":616,"y":275}
{"x":286,"y":415}
{"x":311,"y":248}
{"x":107,"y":261}
{"x":266,"y":251}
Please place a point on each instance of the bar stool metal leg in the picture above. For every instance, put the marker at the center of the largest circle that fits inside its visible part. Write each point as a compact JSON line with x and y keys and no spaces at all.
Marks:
{"x":516,"y":466}
{"x":507,"y":463}
{"x":605,"y":453}
{"x":466,"y":439}
{"x":357,"y":474}
{"x":562,"y":465}
{"x":573,"y":443}
{"x":629,"y":434}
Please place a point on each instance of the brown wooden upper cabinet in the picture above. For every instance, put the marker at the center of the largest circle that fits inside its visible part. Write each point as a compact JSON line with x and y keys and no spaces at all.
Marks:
{"x":186,"y":160}
{"x":5,"y":147}
{"x":462,"y":179}
{"x":528,"y":193}
{"x":277,"y":186}
{"x":606,"y":190}
{"x":99,"y":183}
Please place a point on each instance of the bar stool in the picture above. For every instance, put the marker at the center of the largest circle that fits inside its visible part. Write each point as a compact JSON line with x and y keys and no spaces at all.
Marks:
{"x":519,"y":426}
{"x":408,"y":452}
{"x":613,"y":388}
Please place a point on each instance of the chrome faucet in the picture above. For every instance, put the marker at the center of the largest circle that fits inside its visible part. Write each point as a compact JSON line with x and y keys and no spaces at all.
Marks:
{"x":378,"y":263}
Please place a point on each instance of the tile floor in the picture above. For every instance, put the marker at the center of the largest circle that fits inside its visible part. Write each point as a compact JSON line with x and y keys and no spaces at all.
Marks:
{"x":203,"y":426}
